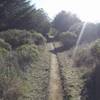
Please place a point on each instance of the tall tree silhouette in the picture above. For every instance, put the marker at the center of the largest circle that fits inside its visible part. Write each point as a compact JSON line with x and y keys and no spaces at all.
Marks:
{"x":63,"y":21}
{"x":20,"y":14}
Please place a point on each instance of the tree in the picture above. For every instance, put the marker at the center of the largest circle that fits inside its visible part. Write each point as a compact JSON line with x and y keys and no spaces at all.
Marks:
{"x":41,"y":21}
{"x":12,"y":12}
{"x":63,"y":21}
{"x":21,"y":15}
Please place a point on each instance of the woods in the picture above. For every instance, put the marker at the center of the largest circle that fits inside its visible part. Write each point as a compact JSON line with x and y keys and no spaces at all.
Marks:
{"x":22,"y":31}
{"x":19,"y":14}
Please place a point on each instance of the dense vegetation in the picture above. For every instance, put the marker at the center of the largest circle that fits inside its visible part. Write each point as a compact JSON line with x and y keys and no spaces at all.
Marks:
{"x":25,"y":60}
{"x":63,"y":21}
{"x":20,"y":14}
{"x":20,"y":58}
{"x":80,"y":65}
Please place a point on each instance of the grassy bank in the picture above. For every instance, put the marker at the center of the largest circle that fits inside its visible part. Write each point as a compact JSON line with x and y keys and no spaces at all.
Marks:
{"x":74,"y":77}
{"x":38,"y":77}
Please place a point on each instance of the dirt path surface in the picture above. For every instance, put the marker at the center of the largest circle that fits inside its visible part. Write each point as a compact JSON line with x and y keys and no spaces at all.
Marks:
{"x":55,"y":88}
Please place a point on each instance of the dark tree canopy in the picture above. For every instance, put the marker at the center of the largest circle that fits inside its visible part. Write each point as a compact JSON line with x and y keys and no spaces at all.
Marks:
{"x":21,"y":15}
{"x":41,"y":21}
{"x":13,"y":11}
{"x":63,"y":21}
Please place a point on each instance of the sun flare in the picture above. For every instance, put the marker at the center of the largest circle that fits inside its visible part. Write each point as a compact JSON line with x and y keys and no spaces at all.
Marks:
{"x":86,"y":10}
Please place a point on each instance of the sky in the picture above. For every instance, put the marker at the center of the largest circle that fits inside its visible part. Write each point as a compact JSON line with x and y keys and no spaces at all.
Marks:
{"x":86,"y":10}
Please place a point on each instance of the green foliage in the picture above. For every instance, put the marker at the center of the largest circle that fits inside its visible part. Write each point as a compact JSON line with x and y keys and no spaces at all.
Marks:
{"x":41,"y":22}
{"x":16,"y":37}
{"x":82,"y":73}
{"x":63,"y":21}
{"x":68,"y":39}
{"x":83,"y":57}
{"x":95,"y":50}
{"x":73,"y":77}
{"x":20,"y":14}
{"x":5,"y":45}
{"x":27,"y":54}
{"x":13,"y":85}
{"x":9,"y":76}
{"x":3,"y":51}
{"x":38,"y":38}
{"x":9,"y":89}
{"x":12,"y":13}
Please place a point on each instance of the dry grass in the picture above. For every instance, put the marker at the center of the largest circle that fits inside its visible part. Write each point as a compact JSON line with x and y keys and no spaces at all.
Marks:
{"x":74,"y":77}
{"x":38,"y":78}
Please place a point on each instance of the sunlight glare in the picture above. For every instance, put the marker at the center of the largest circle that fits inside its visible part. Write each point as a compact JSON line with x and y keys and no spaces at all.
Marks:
{"x":86,"y":10}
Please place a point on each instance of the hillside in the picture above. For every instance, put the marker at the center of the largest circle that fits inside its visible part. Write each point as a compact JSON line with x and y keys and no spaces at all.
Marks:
{"x":47,"y":59}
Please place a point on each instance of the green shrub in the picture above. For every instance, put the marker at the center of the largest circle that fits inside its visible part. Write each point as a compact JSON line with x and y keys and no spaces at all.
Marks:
{"x":13,"y":88}
{"x":8,"y":76}
{"x":83,"y":57}
{"x":16,"y":37}
{"x":38,"y":38}
{"x":9,"y":66}
{"x":5,"y":45}
{"x":12,"y":83}
{"x":20,"y":37}
{"x":68,"y":39}
{"x":88,"y":55}
{"x":27,"y":54}
{"x":3,"y":52}
{"x":8,"y":89}
{"x":95,"y":49}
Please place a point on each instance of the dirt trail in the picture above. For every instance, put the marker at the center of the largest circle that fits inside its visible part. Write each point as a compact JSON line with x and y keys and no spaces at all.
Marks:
{"x":55,"y":88}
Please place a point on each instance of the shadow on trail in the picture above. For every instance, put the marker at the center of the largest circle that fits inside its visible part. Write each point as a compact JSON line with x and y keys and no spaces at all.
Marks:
{"x":58,"y":50}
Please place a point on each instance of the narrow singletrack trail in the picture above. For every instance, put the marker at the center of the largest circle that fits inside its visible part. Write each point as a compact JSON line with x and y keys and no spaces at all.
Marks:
{"x":55,"y":87}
